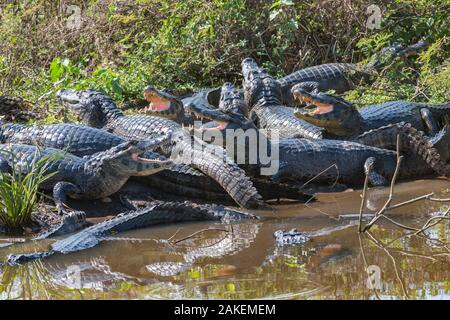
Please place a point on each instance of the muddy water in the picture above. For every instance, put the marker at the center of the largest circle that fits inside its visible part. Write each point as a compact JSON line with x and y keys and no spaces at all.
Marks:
{"x":241,"y":260}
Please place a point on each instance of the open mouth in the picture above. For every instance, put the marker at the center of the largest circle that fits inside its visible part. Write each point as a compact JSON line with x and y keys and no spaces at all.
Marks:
{"x":157,"y":103}
{"x":318,"y":108}
{"x":137,"y":158}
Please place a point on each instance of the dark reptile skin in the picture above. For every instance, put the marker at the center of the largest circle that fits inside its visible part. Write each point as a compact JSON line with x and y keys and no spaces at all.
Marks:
{"x":16,"y":109}
{"x":281,"y":119}
{"x":305,"y":159}
{"x":182,"y":179}
{"x":375,"y":116}
{"x":228,"y":175}
{"x":344,"y":76}
{"x":411,"y":141}
{"x":76,"y":139}
{"x":232,"y":100}
{"x":156,"y":213}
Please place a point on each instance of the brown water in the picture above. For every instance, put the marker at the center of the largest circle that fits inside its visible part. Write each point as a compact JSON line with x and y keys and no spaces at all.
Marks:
{"x":241,"y":260}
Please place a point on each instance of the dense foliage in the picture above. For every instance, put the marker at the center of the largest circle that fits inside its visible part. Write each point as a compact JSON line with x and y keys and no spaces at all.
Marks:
{"x":121,"y":45}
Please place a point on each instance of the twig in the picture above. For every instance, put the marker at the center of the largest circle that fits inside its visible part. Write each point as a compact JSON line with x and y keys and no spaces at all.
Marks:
{"x":380,"y":213}
{"x":404,"y":252}
{"x":365,"y":262}
{"x":173,"y":236}
{"x":323,"y":171}
{"x":440,"y":200}
{"x":425,"y":196}
{"x":398,"y":224}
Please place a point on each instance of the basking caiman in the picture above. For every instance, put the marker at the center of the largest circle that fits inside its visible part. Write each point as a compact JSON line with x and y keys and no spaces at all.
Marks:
{"x":93,"y":177}
{"x":100,"y":111}
{"x":156,"y":213}
{"x":181,"y":179}
{"x":341,"y":118}
{"x":343,"y":76}
{"x":263,"y":98}
{"x":231,"y":113}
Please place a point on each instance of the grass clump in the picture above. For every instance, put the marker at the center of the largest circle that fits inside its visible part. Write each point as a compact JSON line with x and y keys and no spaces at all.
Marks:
{"x":19,"y":191}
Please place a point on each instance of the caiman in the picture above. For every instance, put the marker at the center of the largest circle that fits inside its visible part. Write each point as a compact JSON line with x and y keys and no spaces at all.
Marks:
{"x":342,"y":77}
{"x":181,"y":179}
{"x":99,"y":111}
{"x":94,"y":177}
{"x":156,"y":213}
{"x":341,"y":118}
{"x":188,"y":181}
{"x":263,"y":98}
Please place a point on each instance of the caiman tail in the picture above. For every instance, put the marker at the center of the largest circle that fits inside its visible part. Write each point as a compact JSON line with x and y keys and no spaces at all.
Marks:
{"x":411,"y":140}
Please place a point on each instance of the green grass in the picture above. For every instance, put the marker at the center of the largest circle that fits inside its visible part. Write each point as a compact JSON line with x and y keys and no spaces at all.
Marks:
{"x":19,"y":192}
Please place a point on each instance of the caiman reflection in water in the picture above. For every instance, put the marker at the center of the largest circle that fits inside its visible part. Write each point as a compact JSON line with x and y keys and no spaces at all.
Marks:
{"x":242,"y":260}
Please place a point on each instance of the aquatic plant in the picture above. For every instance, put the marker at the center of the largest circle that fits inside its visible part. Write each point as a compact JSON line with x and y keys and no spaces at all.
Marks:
{"x":19,"y":191}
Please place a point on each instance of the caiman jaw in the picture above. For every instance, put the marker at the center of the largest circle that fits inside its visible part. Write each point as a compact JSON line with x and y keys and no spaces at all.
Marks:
{"x":320,"y":108}
{"x":222,"y":124}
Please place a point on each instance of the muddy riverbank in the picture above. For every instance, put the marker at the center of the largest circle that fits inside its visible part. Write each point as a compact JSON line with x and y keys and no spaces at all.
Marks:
{"x":242,"y":260}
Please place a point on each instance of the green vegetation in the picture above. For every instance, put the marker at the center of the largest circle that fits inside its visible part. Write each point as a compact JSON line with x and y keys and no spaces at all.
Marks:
{"x":120,"y":46}
{"x":19,"y":192}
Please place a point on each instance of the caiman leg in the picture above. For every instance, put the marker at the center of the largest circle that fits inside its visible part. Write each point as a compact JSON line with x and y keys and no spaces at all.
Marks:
{"x":429,"y":120}
{"x":375,"y":179}
{"x":60,"y":192}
